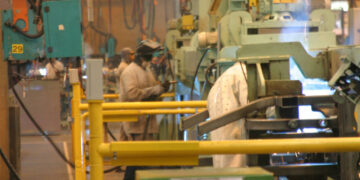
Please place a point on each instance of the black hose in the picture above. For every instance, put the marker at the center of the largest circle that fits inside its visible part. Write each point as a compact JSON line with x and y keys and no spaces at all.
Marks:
{"x":43,"y":133}
{"x":47,"y":136}
{"x":9,"y":165}
{"x":91,"y":25}
{"x":109,"y":132}
{"x":145,"y":132}
{"x":207,"y":72}
{"x":38,"y":10}
{"x":32,"y":4}
{"x":196,"y":72}
{"x":31,"y":36}
{"x":133,"y":15}
{"x":170,"y":66}
{"x":112,"y":169}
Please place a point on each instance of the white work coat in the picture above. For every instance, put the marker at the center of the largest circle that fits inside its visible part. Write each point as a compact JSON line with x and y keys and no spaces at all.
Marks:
{"x":121,"y":68}
{"x":137,"y":84}
{"x":123,"y":64}
{"x":53,"y":69}
{"x":228,"y":93}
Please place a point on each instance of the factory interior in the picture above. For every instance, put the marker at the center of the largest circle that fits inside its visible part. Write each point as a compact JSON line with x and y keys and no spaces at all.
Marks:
{"x":180,"y":89}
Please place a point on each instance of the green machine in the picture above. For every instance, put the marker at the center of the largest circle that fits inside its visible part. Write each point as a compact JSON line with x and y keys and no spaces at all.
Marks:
{"x":269,"y":35}
{"x":226,"y":27}
{"x":43,"y":30}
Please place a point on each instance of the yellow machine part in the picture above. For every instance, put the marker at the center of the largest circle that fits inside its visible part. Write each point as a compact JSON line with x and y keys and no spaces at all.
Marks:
{"x":253,"y":3}
{"x":187,"y":22}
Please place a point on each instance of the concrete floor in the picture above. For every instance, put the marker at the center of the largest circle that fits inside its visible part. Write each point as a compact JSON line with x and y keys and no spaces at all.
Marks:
{"x":40,"y":161}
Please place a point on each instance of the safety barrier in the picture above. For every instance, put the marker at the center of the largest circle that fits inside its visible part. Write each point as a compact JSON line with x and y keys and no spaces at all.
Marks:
{"x":179,"y":152}
{"x":117,"y":112}
{"x":176,"y":153}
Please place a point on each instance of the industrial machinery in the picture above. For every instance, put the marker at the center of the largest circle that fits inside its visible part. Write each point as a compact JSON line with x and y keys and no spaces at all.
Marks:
{"x":268,"y":36}
{"x":43,"y":30}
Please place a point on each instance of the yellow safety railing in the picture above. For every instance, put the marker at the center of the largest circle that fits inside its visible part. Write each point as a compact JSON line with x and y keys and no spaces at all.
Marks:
{"x":131,"y":115}
{"x":168,"y":152}
{"x":172,"y":152}
{"x":116,"y":96}
{"x":114,"y":112}
{"x":186,"y":153}
{"x":176,"y":152}
{"x":150,"y":105}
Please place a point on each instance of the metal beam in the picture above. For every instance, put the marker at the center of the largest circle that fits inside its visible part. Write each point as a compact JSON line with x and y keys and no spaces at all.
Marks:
{"x":241,"y":112}
{"x":194,"y":120}
{"x":290,"y":124}
{"x":304,"y":169}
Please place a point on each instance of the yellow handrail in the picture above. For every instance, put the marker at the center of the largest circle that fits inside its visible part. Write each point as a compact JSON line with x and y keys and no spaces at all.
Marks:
{"x":168,"y":152}
{"x":138,"y":112}
{"x":249,"y":146}
{"x":116,"y":96}
{"x":150,"y":105}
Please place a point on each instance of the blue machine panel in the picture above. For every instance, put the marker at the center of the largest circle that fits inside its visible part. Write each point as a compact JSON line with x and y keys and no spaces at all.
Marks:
{"x":62,"y":26}
{"x":15,"y":45}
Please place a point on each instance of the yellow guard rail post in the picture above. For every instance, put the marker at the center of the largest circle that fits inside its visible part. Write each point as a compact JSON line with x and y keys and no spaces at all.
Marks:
{"x":95,"y":99}
{"x":77,"y":140}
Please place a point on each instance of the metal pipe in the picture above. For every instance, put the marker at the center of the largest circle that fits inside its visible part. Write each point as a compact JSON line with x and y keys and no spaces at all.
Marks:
{"x":116,"y":96}
{"x":348,"y":144}
{"x":96,"y":138}
{"x":143,"y":112}
{"x":191,"y":148}
{"x":150,"y":105}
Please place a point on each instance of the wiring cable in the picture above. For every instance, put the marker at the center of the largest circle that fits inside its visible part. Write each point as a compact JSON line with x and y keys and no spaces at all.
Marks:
{"x":19,"y":30}
{"x":38,"y":13}
{"x":91,"y":25}
{"x":9,"y":165}
{"x":133,"y":15}
{"x":196,"y":72}
{"x":43,"y":133}
{"x":47,"y":136}
{"x":107,"y":129}
{"x":207,"y":72}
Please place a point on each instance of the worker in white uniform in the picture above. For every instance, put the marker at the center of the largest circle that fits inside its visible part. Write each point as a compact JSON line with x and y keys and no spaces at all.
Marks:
{"x":127,"y":56}
{"x":54,"y":69}
{"x":137,"y":83}
{"x":228,"y":93}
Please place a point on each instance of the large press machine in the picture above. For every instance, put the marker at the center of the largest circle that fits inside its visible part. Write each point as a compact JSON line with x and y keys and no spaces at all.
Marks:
{"x":268,"y":36}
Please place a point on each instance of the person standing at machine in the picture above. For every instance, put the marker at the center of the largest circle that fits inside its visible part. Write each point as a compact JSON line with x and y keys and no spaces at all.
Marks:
{"x":137,"y":83}
{"x":228,"y":93}
{"x":54,"y":69}
{"x":127,"y":56}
